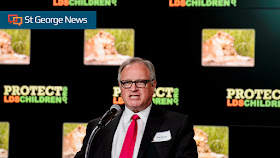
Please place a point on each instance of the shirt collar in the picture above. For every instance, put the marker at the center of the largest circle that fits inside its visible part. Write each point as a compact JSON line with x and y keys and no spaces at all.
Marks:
{"x":142,"y":114}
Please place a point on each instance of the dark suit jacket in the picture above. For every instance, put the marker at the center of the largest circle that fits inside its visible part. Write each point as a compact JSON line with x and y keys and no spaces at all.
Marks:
{"x":181,"y":145}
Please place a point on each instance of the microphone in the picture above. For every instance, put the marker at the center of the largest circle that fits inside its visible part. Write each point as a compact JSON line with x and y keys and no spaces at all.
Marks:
{"x":109,"y":115}
{"x":105,"y":119}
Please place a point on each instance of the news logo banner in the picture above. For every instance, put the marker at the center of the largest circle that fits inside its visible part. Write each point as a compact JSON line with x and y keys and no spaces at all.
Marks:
{"x":38,"y":94}
{"x":202,"y":3}
{"x":253,"y":98}
{"x":48,"y":19}
{"x":85,"y":3}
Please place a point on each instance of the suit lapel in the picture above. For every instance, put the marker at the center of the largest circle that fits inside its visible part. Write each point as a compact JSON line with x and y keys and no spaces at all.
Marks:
{"x":153,"y":124}
{"x":108,"y":136}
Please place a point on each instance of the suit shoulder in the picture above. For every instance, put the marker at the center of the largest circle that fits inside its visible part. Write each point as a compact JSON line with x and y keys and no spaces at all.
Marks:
{"x":93,"y":122}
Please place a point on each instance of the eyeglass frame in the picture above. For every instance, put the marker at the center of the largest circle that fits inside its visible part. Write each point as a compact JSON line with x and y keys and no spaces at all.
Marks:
{"x":135,"y":82}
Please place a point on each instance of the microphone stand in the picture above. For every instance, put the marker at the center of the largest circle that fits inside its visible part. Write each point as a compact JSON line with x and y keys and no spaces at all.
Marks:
{"x":93,"y":133}
{"x":103,"y":122}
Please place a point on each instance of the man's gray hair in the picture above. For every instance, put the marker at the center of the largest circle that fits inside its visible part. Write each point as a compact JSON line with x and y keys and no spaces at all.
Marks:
{"x":129,"y":61}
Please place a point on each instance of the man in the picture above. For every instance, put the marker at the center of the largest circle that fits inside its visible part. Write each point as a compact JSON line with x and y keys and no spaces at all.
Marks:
{"x":142,"y":130}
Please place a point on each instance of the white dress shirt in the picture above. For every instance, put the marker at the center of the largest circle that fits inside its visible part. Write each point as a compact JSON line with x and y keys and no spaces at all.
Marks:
{"x":122,"y":128}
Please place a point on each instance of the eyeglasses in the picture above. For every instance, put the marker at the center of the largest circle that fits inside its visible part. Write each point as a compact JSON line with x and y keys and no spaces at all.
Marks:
{"x":138,"y":83}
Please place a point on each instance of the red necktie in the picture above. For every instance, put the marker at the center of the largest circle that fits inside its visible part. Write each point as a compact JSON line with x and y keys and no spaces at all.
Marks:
{"x":130,"y":139}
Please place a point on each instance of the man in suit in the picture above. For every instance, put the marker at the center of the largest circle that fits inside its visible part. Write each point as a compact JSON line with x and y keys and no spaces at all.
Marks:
{"x":142,"y":130}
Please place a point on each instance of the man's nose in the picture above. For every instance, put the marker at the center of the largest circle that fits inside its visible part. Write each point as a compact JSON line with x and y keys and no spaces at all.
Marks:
{"x":133,"y":87}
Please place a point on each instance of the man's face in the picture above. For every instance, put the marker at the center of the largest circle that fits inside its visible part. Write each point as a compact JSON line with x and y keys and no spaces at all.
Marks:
{"x":137,"y":99}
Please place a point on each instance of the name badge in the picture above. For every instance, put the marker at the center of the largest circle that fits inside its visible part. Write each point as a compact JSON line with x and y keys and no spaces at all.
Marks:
{"x":162,"y":136}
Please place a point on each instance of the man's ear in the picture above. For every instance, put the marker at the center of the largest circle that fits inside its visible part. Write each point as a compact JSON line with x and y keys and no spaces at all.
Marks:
{"x":154,"y":83}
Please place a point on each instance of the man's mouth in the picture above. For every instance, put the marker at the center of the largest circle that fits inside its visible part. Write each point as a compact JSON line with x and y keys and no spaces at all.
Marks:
{"x":134,"y":96}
